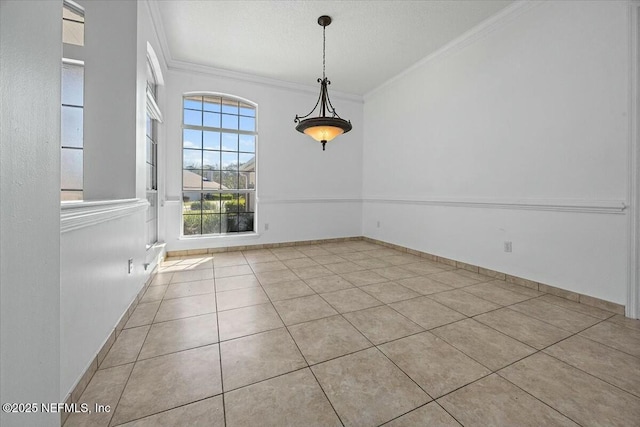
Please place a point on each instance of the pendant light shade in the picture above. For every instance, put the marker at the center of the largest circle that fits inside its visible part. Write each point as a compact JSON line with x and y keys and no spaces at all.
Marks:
{"x":327,"y":125}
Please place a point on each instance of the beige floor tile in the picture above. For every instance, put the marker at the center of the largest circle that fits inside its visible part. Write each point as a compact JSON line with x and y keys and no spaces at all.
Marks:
{"x":328,"y":283}
{"x":616,"y":336}
{"x":389,"y":292}
{"x":104,"y":388}
{"x":258,"y":357}
{"x":434,"y":365}
{"x":373,"y":263}
{"x":402,"y":259}
{"x":278,"y":402}
{"x":228,"y":259}
{"x":207,"y":412}
{"x":464,"y":302}
{"x":187,"y":289}
{"x":493,"y":401}
{"x":284,"y":254}
{"x":430,"y":414}
{"x":161,"y":279}
{"x":528,"y":330}
{"x":268,"y":277}
{"x":383,"y":252}
{"x":344,"y":267}
{"x":126,"y":348}
{"x":612,"y":366}
{"x":236,"y":282}
{"x":181,"y":334}
{"x":167,"y":382}
{"x":364,"y":277}
{"x":247,"y":320}
{"x":395,"y":273}
{"x":473,"y":275}
{"x":366,"y":389}
{"x":493,"y":293}
{"x":192,"y":276}
{"x":454,"y":279}
{"x":260,"y":255}
{"x":627,"y":322}
{"x":356,"y":256}
{"x":313,"y":252}
{"x":154,"y":293}
{"x":329,"y":259}
{"x":427,"y":313}
{"x":350,"y":300}
{"x":557,"y":316}
{"x":233,"y":270}
{"x":516,"y":288}
{"x":300,"y":263}
{"x":483,"y":344}
{"x":324,"y":339}
{"x":303,"y":309}
{"x":426,"y":267}
{"x":580,"y":396}
{"x":382,"y":324}
{"x":185,"y":307}
{"x":268,"y":266}
{"x":143,"y":314}
{"x":424,"y":285}
{"x":311,"y":272}
{"x":339,"y":249}
{"x":288,"y":290}
{"x":575,"y":306}
{"x":237,"y":298}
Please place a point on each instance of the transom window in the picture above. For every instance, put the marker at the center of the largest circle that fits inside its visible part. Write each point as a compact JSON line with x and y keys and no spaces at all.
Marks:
{"x":219,"y":165}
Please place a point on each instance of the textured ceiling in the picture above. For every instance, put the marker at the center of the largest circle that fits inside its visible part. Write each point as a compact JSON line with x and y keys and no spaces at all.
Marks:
{"x":368,"y":42}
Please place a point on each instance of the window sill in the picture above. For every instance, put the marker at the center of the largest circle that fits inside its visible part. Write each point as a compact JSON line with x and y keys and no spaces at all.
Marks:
{"x":250,"y":235}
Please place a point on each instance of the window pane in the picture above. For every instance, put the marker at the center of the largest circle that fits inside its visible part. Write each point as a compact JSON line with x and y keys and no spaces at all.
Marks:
{"x":70,"y":195}
{"x":212,"y":103}
{"x":72,"y":31}
{"x":193,"y":102}
{"x":230,"y":141}
{"x":193,"y":118}
{"x":245,"y":222}
{"x":72,"y":84}
{"x":192,"y":159}
{"x":247,"y":180}
{"x":71,"y":169}
{"x":250,"y":201}
{"x":229,"y":121}
{"x":191,"y":202}
{"x":212,"y":120}
{"x":192,"y":138}
{"x":191,"y":179}
{"x":210,"y":224}
{"x":229,"y":179}
{"x":191,"y":224}
{"x":211,"y":140}
{"x":72,"y":126}
{"x":247,"y":110}
{"x":211,"y":160}
{"x":247,"y":123}
{"x":229,"y":106}
{"x":247,"y":162}
{"x":211,"y":202}
{"x":229,"y":161}
{"x":211,"y":180}
{"x":248,"y":143}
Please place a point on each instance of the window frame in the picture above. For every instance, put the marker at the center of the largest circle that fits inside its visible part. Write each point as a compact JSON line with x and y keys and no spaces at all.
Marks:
{"x":254,"y":190}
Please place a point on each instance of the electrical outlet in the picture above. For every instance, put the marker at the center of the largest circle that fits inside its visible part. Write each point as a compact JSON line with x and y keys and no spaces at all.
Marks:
{"x":266,"y":226}
{"x":130,"y":265}
{"x":508,"y":247}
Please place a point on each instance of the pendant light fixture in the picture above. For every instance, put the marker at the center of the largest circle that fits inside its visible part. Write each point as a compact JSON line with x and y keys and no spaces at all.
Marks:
{"x":328,"y":124}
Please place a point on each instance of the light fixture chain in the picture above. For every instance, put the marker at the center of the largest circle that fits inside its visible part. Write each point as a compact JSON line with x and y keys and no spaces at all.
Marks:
{"x":324,"y":43}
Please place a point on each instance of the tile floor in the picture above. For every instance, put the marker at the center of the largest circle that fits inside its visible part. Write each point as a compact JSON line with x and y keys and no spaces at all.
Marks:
{"x":356,"y":334}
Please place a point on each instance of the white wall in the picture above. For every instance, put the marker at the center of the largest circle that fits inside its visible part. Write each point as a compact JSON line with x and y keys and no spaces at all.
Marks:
{"x":30,"y":53}
{"x":533,"y":111}
{"x":304,"y":193}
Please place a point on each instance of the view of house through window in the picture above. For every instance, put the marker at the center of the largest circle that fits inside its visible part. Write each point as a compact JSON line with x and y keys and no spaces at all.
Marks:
{"x":219,"y":167}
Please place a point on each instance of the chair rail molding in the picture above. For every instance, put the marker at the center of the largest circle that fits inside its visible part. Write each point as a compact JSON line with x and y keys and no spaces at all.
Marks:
{"x":77,"y":215}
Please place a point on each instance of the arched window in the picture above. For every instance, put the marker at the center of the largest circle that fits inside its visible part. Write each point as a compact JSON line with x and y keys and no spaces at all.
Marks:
{"x":219,"y":141}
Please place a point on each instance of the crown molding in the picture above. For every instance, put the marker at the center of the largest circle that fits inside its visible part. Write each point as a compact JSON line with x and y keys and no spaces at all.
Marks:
{"x":156,"y":20}
{"x":467,"y":38}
